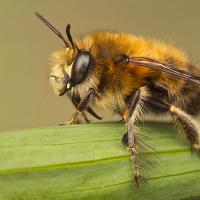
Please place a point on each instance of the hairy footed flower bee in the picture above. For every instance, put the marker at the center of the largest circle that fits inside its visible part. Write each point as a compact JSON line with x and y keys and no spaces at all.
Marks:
{"x":130,"y":75}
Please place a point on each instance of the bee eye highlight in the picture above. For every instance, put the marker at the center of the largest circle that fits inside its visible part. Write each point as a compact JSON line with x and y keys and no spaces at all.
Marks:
{"x":82,"y":63}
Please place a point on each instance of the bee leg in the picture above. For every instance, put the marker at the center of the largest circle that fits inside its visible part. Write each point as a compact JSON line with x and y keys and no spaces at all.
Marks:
{"x":87,"y":99}
{"x":93,"y":113}
{"x":75,"y":99}
{"x":82,"y":106}
{"x":75,"y":103}
{"x":130,"y":138}
{"x":132,"y":147}
{"x":125,"y":118}
{"x":185,"y":122}
{"x":85,"y":117}
{"x":125,"y":139}
{"x":73,"y":120}
{"x":187,"y":125}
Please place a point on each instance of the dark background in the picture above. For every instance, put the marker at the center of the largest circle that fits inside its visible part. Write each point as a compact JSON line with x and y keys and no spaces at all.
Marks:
{"x":26,"y":99}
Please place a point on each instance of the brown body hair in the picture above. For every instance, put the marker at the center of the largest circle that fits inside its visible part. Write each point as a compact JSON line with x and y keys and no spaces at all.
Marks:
{"x":115,"y":82}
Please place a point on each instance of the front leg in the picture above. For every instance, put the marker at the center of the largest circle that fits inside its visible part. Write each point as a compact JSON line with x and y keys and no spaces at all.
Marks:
{"x":130,"y":138}
{"x":83,"y":105}
{"x":75,"y":99}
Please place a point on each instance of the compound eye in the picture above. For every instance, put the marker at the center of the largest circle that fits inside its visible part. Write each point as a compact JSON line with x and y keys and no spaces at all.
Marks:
{"x":82,"y":62}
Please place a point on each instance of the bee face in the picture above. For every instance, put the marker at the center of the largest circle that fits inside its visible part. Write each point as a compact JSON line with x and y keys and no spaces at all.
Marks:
{"x":60,"y":71}
{"x":69,"y":70}
{"x":70,"y":65}
{"x":59,"y":80}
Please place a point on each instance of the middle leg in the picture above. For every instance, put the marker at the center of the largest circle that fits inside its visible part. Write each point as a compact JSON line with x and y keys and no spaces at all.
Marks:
{"x":130,"y":138}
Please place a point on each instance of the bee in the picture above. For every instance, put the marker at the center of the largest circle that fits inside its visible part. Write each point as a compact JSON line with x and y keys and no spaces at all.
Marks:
{"x":130,"y":75}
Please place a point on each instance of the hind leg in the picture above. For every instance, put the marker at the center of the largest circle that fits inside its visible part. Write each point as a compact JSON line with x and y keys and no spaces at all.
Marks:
{"x":187,"y":125}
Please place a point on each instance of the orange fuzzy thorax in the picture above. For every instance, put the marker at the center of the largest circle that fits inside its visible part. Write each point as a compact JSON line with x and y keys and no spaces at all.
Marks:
{"x":107,"y":45}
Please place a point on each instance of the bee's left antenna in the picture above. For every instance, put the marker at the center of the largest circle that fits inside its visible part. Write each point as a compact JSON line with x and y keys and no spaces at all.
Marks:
{"x":74,"y":45}
{"x":69,"y":35}
{"x":52,"y":28}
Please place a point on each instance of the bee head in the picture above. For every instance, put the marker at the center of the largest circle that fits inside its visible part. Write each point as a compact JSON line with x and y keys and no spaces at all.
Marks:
{"x":71,"y":65}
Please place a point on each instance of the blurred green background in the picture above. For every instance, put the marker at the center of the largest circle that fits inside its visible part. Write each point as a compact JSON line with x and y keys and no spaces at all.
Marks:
{"x":25,"y":45}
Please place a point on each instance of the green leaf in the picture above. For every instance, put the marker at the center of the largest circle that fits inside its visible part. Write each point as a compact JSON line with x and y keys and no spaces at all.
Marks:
{"x":89,"y":162}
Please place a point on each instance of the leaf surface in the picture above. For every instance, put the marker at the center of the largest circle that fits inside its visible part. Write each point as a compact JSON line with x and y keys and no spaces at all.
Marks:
{"x":89,"y":162}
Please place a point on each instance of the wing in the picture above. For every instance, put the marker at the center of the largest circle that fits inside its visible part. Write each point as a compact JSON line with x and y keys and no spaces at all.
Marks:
{"x":158,"y":66}
{"x":163,"y":67}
